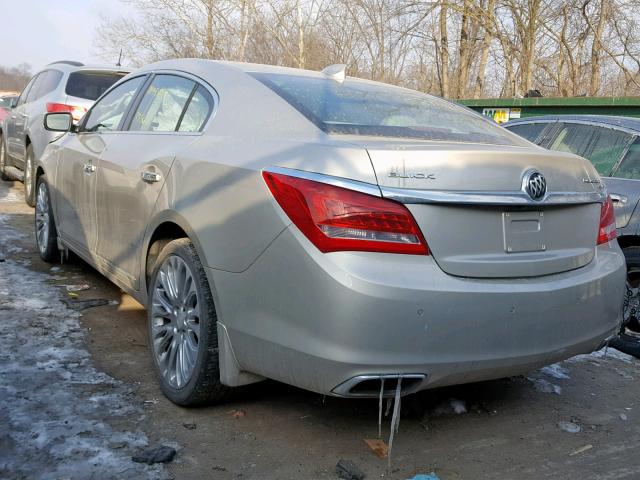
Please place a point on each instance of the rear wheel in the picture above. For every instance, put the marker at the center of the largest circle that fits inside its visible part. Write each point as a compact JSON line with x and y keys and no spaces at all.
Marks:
{"x":46,"y":232}
{"x":182,"y":326}
{"x":29,"y":190}
{"x":3,"y":160}
{"x":632,"y":255}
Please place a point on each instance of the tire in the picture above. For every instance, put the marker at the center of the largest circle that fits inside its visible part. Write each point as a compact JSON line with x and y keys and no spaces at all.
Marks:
{"x":45,"y":224}
{"x":193,"y":376}
{"x":3,"y":160}
{"x":29,"y":180}
{"x":632,"y":256}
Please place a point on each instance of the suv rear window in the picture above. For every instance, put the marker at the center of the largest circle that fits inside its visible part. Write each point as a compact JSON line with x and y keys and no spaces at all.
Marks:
{"x":90,"y":85}
{"x":358,"y":107}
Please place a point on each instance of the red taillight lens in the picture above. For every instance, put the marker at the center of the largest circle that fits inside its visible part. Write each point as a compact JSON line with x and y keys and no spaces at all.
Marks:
{"x":336,"y":219}
{"x":76,"y":112}
{"x":607,"y":230}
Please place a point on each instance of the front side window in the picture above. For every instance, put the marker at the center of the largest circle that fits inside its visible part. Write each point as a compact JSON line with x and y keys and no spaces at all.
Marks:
{"x":107,"y":113}
{"x":630,"y":165}
{"x":606,"y":149}
{"x":197,"y":112}
{"x":600,"y":145}
{"x":162,"y":104}
{"x":530,"y":131}
{"x":25,"y":92}
{"x":358,"y":107}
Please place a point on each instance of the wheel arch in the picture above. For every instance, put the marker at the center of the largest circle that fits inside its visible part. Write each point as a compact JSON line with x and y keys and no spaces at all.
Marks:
{"x":168,"y":225}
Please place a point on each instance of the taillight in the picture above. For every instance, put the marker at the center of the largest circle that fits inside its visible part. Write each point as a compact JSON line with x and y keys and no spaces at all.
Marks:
{"x":607,"y":230}
{"x":75,"y":111}
{"x":337,"y":219}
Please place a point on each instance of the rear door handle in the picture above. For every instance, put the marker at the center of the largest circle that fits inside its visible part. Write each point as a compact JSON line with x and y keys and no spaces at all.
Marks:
{"x":89,"y":168}
{"x":617,"y":198}
{"x":150,"y":177}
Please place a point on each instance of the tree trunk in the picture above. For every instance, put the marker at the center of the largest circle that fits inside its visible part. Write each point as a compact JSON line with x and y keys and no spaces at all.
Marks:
{"x":594,"y":81}
{"x":484,"y":51}
{"x":210,"y":40}
{"x":444,"y":52}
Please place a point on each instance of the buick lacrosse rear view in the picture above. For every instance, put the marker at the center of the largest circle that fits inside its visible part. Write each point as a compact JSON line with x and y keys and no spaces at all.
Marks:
{"x":336,"y":234}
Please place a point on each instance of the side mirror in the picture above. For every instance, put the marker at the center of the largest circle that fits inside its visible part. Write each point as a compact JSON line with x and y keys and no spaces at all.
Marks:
{"x":58,"y":122}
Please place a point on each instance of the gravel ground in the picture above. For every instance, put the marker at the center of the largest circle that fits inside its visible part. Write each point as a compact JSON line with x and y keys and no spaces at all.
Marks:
{"x":78,"y":399}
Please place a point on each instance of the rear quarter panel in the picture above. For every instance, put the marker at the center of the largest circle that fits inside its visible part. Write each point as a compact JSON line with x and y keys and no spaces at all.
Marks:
{"x":215,"y":185}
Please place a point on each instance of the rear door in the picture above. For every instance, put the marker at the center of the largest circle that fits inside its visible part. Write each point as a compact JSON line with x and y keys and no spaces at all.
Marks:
{"x":135,"y":164}
{"x":17,"y":120}
{"x":77,"y":167}
{"x":604,"y":148}
{"x":624,"y":184}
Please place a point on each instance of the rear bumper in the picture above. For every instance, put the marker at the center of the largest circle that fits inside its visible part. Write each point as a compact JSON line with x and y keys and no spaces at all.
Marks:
{"x":317,"y":320}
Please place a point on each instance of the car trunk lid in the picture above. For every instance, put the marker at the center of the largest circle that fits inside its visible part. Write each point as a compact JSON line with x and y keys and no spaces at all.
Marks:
{"x":478,"y":221}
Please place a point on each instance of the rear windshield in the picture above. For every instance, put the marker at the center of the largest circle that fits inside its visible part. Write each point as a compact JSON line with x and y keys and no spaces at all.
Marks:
{"x":91,"y":85}
{"x":358,"y":107}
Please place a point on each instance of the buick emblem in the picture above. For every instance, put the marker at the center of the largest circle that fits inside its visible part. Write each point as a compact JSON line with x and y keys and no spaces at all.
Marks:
{"x":534,"y":184}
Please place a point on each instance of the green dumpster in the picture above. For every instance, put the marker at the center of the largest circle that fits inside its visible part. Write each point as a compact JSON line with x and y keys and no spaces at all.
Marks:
{"x":505,"y":109}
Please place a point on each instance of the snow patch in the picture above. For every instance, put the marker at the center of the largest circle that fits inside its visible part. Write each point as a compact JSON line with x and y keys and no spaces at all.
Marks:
{"x":53,"y":401}
{"x":556,"y":371}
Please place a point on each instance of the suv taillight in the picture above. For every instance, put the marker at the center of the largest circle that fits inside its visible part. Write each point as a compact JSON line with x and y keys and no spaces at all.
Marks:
{"x":337,"y":219}
{"x":75,"y":111}
{"x":607,"y":230}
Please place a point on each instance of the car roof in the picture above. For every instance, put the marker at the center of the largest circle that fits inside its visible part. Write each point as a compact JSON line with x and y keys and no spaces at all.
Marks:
{"x":191,"y":65}
{"x":628,"y":123}
{"x":71,"y":66}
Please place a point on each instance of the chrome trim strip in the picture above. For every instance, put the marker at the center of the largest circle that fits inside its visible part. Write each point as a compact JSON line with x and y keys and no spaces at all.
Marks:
{"x":363,"y":187}
{"x":403,"y":195}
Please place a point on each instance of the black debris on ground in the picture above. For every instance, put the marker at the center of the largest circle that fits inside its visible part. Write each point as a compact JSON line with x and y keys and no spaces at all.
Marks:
{"x":348,"y":470}
{"x":161,"y":454}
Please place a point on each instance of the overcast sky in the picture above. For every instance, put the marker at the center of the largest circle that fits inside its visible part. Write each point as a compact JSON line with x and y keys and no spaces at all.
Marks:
{"x":39,"y":32}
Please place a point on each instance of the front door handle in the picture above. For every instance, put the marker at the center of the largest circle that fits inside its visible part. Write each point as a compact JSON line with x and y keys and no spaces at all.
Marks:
{"x":617,"y":198}
{"x":150,"y":177}
{"x":89,"y":168}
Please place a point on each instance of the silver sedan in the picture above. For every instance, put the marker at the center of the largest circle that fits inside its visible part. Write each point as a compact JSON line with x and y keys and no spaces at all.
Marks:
{"x":344,"y":236}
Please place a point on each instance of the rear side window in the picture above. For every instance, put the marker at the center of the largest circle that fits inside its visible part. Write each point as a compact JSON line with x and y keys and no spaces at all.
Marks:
{"x":630,"y":165}
{"x":198,"y":111}
{"x":47,"y":83}
{"x":90,"y":85}
{"x":162,"y":104}
{"x":358,"y":107}
{"x":530,"y":131}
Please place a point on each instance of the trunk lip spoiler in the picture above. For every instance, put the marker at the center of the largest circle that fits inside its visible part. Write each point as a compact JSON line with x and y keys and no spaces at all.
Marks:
{"x":458,"y":197}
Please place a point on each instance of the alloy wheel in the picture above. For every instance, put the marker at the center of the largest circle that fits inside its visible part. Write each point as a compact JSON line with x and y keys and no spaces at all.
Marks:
{"x":42,"y":217}
{"x":175,"y":321}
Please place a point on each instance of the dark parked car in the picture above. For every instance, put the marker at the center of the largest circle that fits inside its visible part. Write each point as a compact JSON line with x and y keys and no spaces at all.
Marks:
{"x":612,"y":145}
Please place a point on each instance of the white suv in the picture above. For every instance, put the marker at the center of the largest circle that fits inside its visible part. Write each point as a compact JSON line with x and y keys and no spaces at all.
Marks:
{"x":63,"y":86}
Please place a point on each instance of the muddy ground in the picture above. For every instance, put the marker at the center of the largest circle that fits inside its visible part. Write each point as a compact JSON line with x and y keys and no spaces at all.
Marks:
{"x":78,"y":398}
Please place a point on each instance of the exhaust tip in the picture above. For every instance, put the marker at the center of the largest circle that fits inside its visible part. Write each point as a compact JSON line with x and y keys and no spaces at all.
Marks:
{"x":368,"y":386}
